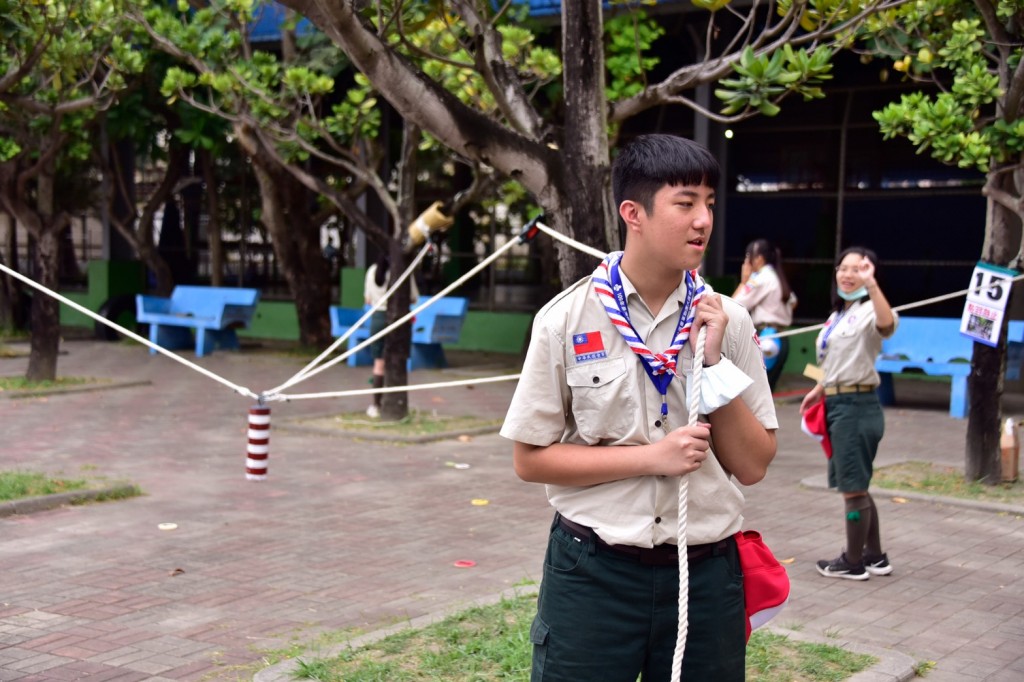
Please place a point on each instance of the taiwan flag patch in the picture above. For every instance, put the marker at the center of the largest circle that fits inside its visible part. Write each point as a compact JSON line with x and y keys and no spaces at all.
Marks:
{"x":588,"y":346}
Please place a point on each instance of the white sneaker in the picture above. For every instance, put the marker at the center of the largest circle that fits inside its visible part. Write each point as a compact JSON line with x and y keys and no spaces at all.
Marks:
{"x":373,"y":411}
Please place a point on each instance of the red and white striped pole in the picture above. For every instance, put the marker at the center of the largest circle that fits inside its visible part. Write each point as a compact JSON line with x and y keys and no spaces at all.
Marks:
{"x":259,"y":442}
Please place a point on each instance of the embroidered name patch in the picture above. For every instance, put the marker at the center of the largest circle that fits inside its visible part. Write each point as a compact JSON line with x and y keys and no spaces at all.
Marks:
{"x":588,"y":346}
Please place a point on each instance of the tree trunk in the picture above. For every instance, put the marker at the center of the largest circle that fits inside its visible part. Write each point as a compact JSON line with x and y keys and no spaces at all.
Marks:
{"x":586,"y":180}
{"x":213,"y":234}
{"x":10,"y":289}
{"x":398,"y":344}
{"x":139,"y":231}
{"x":985,"y":389}
{"x":985,"y":383}
{"x":296,"y":241}
{"x":42,"y":359}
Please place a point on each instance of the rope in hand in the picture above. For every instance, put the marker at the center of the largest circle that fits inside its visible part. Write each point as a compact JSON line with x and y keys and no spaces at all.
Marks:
{"x":684,"y":564}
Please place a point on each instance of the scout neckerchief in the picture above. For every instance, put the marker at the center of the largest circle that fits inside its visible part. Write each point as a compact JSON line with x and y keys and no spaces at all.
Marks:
{"x":660,"y":367}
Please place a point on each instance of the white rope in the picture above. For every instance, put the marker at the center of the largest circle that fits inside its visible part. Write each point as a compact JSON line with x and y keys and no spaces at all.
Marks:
{"x":113,"y":325}
{"x":896,"y":308}
{"x":396,"y":389}
{"x":684,"y":486}
{"x":301,"y":374}
{"x":402,"y":320}
{"x":579,"y":246}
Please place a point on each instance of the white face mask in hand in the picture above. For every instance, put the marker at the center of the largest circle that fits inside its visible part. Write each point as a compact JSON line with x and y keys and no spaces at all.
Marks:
{"x":853,"y":295}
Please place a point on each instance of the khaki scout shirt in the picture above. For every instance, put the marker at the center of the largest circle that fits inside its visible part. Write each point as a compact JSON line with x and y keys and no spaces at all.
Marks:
{"x":762,"y":296}
{"x":593,"y":390}
{"x":850,"y":350}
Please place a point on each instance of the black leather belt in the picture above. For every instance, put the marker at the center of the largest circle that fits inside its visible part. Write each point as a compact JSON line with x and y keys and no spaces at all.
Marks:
{"x":659,"y":555}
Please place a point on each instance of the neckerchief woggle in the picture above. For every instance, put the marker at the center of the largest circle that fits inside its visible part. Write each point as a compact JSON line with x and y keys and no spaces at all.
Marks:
{"x":660,"y":367}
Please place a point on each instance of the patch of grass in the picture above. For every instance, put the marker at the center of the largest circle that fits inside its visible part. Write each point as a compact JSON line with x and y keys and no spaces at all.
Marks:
{"x":415,"y":424}
{"x":22,"y":384}
{"x":775,"y":658}
{"x":493,"y":643}
{"x":925,"y":477}
{"x":123,"y":492}
{"x":15,"y":485}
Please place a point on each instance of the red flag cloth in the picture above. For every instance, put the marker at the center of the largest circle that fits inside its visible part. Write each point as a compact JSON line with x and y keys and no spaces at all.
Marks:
{"x":814,"y":425}
{"x":587,"y":343}
{"x":765,"y":581}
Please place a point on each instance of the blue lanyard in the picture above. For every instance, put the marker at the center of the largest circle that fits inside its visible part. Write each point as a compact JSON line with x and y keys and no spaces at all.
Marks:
{"x":660,"y":381}
{"x":828,"y":332}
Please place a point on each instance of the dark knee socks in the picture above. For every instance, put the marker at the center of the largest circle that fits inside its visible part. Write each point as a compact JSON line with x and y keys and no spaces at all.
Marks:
{"x":858,"y":522}
{"x":873,"y":546}
{"x":378,"y":382}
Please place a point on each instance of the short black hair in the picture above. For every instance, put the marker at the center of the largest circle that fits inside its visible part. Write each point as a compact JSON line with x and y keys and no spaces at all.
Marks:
{"x":649,"y":162}
{"x":837,"y":302}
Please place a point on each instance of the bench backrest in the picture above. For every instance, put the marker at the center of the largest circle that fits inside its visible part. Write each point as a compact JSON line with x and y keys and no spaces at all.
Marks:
{"x":343,"y":318}
{"x":936,"y":339}
{"x":224,"y":304}
{"x":441,"y":322}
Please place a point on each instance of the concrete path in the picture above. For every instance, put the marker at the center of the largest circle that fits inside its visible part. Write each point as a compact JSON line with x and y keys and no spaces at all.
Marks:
{"x":360,"y":535}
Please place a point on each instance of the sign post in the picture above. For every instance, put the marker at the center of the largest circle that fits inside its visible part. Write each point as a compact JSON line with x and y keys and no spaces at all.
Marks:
{"x":986,"y":303}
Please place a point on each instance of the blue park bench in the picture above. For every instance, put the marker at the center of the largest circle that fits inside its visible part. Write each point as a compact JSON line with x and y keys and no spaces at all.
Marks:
{"x":935,"y":346}
{"x":213,"y":312}
{"x":440,"y":323}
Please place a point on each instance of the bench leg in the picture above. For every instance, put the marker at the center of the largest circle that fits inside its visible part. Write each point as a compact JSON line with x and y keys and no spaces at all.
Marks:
{"x":223,"y":339}
{"x":171,"y":338}
{"x":886,"y":391}
{"x":427,"y":356}
{"x":204,"y":342}
{"x":958,"y":398}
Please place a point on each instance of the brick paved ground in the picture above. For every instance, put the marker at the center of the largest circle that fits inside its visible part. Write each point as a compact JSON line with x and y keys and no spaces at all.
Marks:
{"x":347,"y":534}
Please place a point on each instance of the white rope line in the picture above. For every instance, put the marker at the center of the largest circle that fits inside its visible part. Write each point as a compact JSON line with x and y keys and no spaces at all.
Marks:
{"x":351,"y":330}
{"x":896,"y":308}
{"x":684,"y":489}
{"x":402,"y":320}
{"x":398,"y":389}
{"x":579,"y":246}
{"x":113,"y":325}
{"x":308,"y":371}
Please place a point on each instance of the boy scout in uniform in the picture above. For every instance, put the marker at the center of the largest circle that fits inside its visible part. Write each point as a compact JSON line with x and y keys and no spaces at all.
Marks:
{"x":598,"y":418}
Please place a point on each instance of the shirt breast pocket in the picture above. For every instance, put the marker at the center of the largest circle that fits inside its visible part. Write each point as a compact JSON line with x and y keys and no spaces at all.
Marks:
{"x":602,"y":403}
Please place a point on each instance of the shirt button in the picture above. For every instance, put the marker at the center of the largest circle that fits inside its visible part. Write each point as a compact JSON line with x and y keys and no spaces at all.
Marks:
{"x":597,"y":379}
{"x":657,"y":519}
{"x":657,"y":423}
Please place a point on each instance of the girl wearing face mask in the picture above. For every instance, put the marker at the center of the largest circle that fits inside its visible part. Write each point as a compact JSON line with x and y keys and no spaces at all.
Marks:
{"x":766,"y":295}
{"x":846,"y":349}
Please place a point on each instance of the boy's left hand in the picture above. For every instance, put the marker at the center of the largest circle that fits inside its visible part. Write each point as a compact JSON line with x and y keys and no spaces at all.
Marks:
{"x":710,"y":314}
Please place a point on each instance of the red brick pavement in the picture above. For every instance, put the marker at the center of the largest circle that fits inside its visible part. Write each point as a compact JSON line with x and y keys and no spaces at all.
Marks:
{"x":350,"y":534}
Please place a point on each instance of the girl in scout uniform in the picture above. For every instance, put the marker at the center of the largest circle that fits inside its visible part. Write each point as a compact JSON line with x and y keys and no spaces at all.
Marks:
{"x":765,"y":293}
{"x":600,"y":417}
{"x":847,"y":347}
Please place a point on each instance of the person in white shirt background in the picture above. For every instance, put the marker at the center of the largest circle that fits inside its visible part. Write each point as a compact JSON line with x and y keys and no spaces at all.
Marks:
{"x":374,"y":287}
{"x":767,"y":296}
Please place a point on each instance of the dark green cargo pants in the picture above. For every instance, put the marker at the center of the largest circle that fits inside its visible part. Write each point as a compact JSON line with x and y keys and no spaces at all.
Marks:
{"x":603,"y":617}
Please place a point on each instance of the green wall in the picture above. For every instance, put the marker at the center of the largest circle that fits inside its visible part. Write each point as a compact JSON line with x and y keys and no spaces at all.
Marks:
{"x":106,"y":279}
{"x":498,"y":332}
{"x":485,"y":331}
{"x":273,"y":320}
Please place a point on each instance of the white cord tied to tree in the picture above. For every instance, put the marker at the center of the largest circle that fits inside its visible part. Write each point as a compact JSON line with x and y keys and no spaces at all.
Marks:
{"x":684,"y":564}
